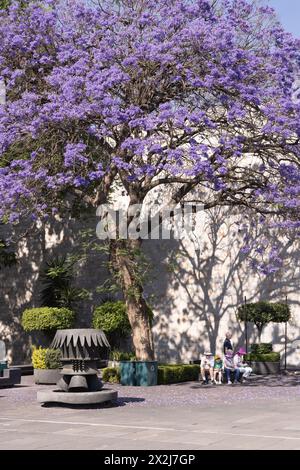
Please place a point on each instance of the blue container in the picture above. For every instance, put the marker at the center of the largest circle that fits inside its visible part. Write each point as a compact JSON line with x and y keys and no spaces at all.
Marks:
{"x":127,"y":372}
{"x":3,"y":365}
{"x":146,"y":373}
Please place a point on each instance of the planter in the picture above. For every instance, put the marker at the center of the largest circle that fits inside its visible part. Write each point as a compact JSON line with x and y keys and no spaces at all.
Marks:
{"x":138,"y":373}
{"x":265,"y":368}
{"x":46,"y":376}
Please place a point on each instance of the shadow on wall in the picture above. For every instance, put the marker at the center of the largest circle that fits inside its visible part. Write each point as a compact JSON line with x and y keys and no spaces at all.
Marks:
{"x":20,"y":286}
{"x":198,"y":292}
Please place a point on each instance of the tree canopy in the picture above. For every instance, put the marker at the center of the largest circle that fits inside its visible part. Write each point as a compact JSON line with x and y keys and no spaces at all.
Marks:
{"x":152,"y":92}
{"x":198,"y":96}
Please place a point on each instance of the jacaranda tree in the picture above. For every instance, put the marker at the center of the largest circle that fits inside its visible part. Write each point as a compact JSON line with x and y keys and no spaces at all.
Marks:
{"x":193,"y":94}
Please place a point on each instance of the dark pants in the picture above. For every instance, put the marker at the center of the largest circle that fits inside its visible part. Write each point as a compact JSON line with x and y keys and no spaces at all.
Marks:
{"x":236,"y":373}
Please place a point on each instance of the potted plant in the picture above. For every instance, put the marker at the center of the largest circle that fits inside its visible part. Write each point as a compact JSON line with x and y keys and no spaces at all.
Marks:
{"x":112,"y":318}
{"x":263,"y":359}
{"x":116,"y":356}
{"x":46,"y":364}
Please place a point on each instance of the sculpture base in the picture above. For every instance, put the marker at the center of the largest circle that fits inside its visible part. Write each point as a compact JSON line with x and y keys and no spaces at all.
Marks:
{"x":76,"y":398}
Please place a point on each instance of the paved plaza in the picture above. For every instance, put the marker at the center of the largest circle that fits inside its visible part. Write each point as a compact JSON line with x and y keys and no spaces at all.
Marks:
{"x":264,"y":414}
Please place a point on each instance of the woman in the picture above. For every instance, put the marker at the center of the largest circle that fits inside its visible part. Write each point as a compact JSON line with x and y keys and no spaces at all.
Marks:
{"x":243,"y":367}
{"x":229,"y":367}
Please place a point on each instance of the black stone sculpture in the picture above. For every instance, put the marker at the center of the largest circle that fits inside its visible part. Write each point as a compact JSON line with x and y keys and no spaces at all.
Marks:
{"x":80,"y":352}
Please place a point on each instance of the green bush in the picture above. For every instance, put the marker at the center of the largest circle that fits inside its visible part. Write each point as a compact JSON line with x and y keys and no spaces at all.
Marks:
{"x":111,"y":374}
{"x":261,"y":313}
{"x":270,"y":357}
{"x":47,"y":319}
{"x":262,"y":348}
{"x":111,"y":317}
{"x":116,"y":355}
{"x":46,"y":358}
{"x":168,"y":374}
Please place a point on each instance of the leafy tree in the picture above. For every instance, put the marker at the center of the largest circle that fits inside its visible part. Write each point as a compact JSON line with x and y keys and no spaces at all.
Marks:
{"x":194,"y":96}
{"x":261,"y":313}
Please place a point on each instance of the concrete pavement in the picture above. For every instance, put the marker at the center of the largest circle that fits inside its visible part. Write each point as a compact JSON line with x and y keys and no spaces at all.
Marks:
{"x":265,"y":423}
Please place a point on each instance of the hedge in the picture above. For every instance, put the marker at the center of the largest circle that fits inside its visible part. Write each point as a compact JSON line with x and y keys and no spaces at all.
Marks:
{"x":168,"y":374}
{"x":111,"y":374}
{"x":261,"y":348}
{"x":47,"y":319}
{"x":270,"y":357}
{"x":46,"y":358}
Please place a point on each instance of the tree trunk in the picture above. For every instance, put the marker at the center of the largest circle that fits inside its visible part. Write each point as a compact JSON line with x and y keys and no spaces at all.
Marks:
{"x":124,"y":260}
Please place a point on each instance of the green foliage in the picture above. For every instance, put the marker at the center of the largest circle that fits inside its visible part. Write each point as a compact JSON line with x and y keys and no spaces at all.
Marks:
{"x":270,"y":357}
{"x":116,"y":355}
{"x":52,"y":358}
{"x":262,"y":348}
{"x":47,"y":319}
{"x":112,"y":317}
{"x":46,"y":358}
{"x":4,"y":4}
{"x":168,"y":374}
{"x":57,"y":278}
{"x":7,"y":256}
{"x":111,"y":374}
{"x":261,"y":313}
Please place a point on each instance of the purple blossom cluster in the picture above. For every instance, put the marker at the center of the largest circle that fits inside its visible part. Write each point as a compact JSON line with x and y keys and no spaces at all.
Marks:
{"x":193,"y":91}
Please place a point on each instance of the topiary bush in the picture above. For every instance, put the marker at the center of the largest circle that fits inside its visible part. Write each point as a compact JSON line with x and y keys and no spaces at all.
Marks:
{"x":47,"y":319}
{"x":269,"y":357}
{"x":111,"y":374}
{"x":168,"y":374}
{"x":112,"y":318}
{"x":46,"y":358}
{"x":261,"y":313}
{"x":262,"y":348}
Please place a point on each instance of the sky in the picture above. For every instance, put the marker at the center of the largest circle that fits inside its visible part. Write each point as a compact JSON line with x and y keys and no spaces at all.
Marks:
{"x":289,"y":14}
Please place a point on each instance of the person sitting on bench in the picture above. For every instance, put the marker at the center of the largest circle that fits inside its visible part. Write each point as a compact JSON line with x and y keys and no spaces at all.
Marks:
{"x":239,"y":362}
{"x":230,"y":367}
{"x":207,"y":367}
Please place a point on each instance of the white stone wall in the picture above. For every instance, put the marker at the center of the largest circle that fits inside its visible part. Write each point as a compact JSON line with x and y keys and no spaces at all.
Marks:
{"x":194,"y":293}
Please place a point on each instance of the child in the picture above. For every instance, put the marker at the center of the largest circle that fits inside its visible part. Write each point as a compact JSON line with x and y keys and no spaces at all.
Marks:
{"x":218,"y":369}
{"x":207,"y":365}
{"x":229,"y":367}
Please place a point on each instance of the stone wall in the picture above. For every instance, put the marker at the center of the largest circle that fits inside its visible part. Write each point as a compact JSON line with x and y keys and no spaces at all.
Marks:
{"x":194,"y":293}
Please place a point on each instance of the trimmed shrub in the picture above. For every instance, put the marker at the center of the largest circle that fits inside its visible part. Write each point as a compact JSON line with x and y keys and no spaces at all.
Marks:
{"x":175,"y":373}
{"x":111,"y":374}
{"x":46,"y":358}
{"x":262,"y":348}
{"x":47,"y":319}
{"x":270,"y":357}
{"x":261,"y":313}
{"x":111,"y":317}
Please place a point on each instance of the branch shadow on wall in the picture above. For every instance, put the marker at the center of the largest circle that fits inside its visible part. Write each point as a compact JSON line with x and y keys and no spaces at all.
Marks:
{"x":197,"y":292}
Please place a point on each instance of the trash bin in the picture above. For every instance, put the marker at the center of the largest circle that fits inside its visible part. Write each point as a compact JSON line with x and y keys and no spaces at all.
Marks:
{"x":146,"y":373}
{"x":3,"y":365}
{"x":139,"y":373}
{"x":127,"y":372}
